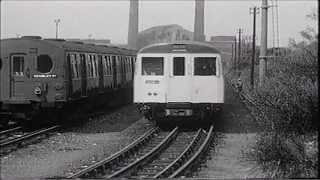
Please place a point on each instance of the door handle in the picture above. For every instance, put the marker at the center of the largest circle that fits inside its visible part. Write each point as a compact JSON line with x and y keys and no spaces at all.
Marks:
{"x":28,"y":73}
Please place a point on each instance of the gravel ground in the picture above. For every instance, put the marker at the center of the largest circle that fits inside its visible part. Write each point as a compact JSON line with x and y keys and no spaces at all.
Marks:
{"x":64,"y":153}
{"x":68,"y":152}
{"x":234,"y":132}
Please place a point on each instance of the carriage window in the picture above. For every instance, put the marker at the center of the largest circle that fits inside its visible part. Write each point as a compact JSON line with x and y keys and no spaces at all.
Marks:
{"x":76,"y":65}
{"x":96,"y":57}
{"x":78,"y":60}
{"x":118,"y":65}
{"x":205,"y":66}
{"x":73,"y":65}
{"x":129,"y":61}
{"x":104,"y":63}
{"x":121,"y":62}
{"x":152,"y":66}
{"x":44,"y":63}
{"x":89,"y":66}
{"x":82,"y":65}
{"x":123,"y":65}
{"x":178,"y":66}
{"x":108,"y":58}
{"x":93,"y":65}
{"x":129,"y":66}
{"x":18,"y":66}
{"x":110,"y":65}
{"x":112,"y":60}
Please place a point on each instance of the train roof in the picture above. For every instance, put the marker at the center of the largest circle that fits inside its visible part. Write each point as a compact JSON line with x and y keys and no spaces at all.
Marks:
{"x":179,"y":47}
{"x":77,"y":47}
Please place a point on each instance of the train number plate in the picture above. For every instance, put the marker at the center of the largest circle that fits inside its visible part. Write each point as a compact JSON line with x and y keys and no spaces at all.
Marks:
{"x":178,"y":112}
{"x":152,"y":82}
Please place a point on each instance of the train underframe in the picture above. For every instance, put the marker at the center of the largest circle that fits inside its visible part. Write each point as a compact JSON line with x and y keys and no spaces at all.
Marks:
{"x":157,"y":111}
{"x":40,"y":112}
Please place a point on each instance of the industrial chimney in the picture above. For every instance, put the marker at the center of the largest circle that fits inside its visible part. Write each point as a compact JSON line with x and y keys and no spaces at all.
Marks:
{"x":133,"y":24}
{"x":199,"y":21}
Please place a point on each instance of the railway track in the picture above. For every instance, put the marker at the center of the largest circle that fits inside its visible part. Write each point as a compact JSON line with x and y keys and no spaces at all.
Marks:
{"x":156,"y":154}
{"x":255,"y":106}
{"x":11,"y":140}
{"x":7,"y":132}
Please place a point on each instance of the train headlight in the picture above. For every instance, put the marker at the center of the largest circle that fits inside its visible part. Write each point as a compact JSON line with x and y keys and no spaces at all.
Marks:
{"x":37,"y":91}
{"x":149,"y":93}
{"x":155,"y":93}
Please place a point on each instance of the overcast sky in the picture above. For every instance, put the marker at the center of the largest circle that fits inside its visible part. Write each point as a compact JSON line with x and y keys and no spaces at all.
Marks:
{"x":109,"y":19}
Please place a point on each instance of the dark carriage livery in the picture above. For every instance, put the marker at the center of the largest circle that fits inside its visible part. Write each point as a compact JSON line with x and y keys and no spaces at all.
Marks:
{"x":53,"y":73}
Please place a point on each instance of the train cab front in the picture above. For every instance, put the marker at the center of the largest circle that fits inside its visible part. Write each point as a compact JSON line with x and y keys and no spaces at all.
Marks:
{"x":29,"y":75}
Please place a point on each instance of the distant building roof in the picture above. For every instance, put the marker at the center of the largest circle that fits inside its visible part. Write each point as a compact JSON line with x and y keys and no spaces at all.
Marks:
{"x":93,"y":41}
{"x":221,"y":46}
{"x":119,"y":45}
{"x":222,"y":38}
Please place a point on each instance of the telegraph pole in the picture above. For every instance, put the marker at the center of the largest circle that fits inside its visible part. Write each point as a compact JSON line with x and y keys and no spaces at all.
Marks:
{"x":255,"y":12}
{"x":239,"y":57}
{"x":18,"y":35}
{"x":235,"y":54}
{"x":232,"y":53}
{"x":57,"y":24}
{"x":264,"y":38}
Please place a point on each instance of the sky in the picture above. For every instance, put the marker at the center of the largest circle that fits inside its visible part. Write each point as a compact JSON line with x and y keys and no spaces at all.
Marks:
{"x":109,"y":19}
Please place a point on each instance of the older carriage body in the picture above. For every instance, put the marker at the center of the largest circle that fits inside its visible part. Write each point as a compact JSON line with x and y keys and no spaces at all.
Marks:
{"x":37,"y":74}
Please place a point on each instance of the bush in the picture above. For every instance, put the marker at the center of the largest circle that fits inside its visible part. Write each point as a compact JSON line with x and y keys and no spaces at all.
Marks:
{"x":289,"y":99}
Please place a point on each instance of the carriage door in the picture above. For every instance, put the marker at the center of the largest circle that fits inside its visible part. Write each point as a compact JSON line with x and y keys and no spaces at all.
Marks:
{"x":179,"y":79}
{"x":18,"y":75}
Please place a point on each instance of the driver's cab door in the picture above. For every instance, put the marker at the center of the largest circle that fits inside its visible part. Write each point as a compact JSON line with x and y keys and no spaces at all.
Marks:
{"x":18,"y":73}
{"x":179,"y":78}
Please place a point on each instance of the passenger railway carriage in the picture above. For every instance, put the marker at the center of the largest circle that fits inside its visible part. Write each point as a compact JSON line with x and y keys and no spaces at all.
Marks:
{"x":178,"y":79}
{"x":37,"y":74}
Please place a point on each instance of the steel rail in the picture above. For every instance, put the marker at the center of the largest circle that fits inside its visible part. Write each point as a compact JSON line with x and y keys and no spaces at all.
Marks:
{"x":242,"y":94}
{"x":110,"y":160}
{"x":196,"y":155}
{"x":183,"y":154}
{"x":28,"y":136}
{"x":263,"y":115}
{"x":10,"y":130}
{"x":147,"y":156}
{"x":250,"y":101}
